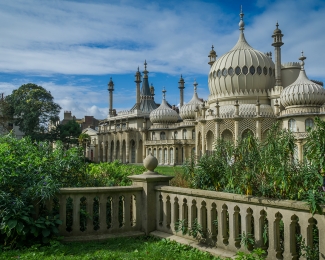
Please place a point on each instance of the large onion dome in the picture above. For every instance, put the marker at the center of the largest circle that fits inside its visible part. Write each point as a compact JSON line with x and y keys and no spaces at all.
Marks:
{"x":240,"y":71}
{"x":187,"y":110}
{"x":164,"y":114}
{"x":303,"y":92}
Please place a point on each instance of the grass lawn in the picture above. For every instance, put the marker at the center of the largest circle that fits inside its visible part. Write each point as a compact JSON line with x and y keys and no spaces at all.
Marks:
{"x":169,"y":170}
{"x":116,"y":248}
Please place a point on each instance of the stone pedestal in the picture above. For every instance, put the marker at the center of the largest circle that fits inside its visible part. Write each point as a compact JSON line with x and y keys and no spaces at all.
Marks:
{"x":148,"y":181}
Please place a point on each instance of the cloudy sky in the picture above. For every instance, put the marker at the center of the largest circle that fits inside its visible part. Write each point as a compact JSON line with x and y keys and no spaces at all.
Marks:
{"x":72,"y":48}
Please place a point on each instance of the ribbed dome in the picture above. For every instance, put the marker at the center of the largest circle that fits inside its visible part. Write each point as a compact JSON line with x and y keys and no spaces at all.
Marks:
{"x":242,"y":69}
{"x":187,"y":110}
{"x":303,"y":92}
{"x":164,"y":114}
{"x":246,"y":110}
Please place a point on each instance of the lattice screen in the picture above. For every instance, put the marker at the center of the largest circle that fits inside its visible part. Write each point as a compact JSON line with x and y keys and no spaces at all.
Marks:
{"x":247,"y":123}
{"x":210,"y":125}
{"x":266,"y":125}
{"x":227,"y":124}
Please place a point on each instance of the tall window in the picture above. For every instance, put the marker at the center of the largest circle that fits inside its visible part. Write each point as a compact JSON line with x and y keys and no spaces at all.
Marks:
{"x":184,"y":134}
{"x":162,"y":136}
{"x":309,"y":123}
{"x":175,"y":134}
{"x":292,"y":125}
{"x":153,"y":136}
{"x":193,"y":134}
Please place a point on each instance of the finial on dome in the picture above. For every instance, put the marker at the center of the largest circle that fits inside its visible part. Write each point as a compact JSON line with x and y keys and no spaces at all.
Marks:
{"x":277,"y":25}
{"x":145,"y":72}
{"x":241,"y":23}
{"x":164,"y":93}
{"x":302,"y":58}
{"x":138,"y":69}
{"x":195,"y":85}
{"x":212,"y":47}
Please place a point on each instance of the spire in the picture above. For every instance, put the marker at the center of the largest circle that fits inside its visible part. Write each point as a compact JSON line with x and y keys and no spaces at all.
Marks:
{"x":164,"y":93}
{"x":302,"y":58}
{"x":145,"y":72}
{"x":241,"y":23}
{"x":181,"y":91}
{"x":110,"y":98}
{"x":212,"y":56}
{"x":195,"y":85}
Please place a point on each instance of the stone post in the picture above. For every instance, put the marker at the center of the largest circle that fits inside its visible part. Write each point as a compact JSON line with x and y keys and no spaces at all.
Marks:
{"x":148,"y":181}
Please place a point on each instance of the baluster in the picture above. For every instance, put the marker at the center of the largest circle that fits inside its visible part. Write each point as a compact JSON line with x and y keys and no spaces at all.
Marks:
{"x":90,"y":211}
{"x":168,"y":212}
{"x":289,"y":236}
{"x":127,"y":211}
{"x":63,"y":214}
{"x":273,"y":235}
{"x":115,"y":212}
{"x":232,"y":228}
{"x":102,"y":213}
{"x":76,"y":214}
{"x":138,"y":206}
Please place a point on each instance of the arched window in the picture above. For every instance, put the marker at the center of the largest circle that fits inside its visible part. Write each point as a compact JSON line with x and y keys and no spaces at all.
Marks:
{"x":162,"y":136}
{"x":292,"y":125}
{"x":210,"y":140}
{"x":247,"y":133}
{"x":309,"y":123}
{"x":227,"y":135}
{"x":153,"y":136}
{"x":175,"y":134}
{"x":193,"y":134}
{"x":184,"y":134}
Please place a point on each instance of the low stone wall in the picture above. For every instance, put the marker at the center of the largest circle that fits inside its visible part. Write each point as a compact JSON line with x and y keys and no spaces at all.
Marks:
{"x":225,"y":216}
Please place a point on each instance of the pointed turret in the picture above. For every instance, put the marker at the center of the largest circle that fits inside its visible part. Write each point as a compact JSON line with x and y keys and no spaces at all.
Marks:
{"x":138,"y":81}
{"x":110,"y":101}
{"x":212,"y":56}
{"x":181,"y":91}
{"x":277,"y":43}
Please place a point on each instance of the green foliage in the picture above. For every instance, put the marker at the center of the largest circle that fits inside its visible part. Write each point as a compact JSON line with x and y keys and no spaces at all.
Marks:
{"x":247,"y":240}
{"x":263,"y":169}
{"x":33,"y":108}
{"x":309,"y":252}
{"x":68,"y":133}
{"x":196,"y":229}
{"x":257,"y":254}
{"x":181,"y":225}
{"x":112,"y":174}
{"x":31,"y":173}
{"x":116,"y":248}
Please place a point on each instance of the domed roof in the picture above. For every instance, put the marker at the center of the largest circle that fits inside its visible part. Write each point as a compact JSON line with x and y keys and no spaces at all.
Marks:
{"x":187,"y":110}
{"x":164,"y":114}
{"x":303,"y":92}
{"x":242,"y":69}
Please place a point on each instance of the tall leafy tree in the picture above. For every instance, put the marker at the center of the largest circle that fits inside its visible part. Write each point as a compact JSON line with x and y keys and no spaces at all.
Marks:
{"x":69,"y":133}
{"x":33,"y":109}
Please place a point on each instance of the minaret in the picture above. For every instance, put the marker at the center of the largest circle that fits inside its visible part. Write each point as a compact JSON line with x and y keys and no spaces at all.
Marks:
{"x":212,"y":56}
{"x":181,"y":91}
{"x":138,"y":81}
{"x":110,"y":101}
{"x":277,"y":43}
{"x":152,"y":90}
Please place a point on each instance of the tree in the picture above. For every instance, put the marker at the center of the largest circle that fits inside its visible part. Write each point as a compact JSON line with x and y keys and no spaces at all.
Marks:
{"x":5,"y":115}
{"x":33,"y":109}
{"x":68,"y":133}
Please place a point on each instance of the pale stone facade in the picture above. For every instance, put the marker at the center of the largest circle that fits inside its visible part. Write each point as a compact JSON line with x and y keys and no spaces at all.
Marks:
{"x":249,"y":92}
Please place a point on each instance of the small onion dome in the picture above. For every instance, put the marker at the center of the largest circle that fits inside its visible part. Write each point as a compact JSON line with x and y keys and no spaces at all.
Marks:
{"x":164,"y":114}
{"x":303,"y":92}
{"x":277,"y":30}
{"x":188,"y":110}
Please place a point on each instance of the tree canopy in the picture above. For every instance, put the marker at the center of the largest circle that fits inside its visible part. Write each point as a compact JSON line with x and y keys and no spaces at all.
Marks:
{"x":68,"y":133}
{"x":33,"y":109}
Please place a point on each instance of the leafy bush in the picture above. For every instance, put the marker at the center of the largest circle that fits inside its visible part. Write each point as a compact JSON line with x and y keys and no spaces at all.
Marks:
{"x":31,"y":173}
{"x":268,"y":169}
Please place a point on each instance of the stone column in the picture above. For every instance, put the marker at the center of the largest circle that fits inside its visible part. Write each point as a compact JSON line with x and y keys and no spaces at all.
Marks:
{"x":127,"y":148}
{"x":121,"y":148}
{"x":203,"y":137}
{"x":149,"y":199}
{"x":259,"y":128}
{"x":300,"y":150}
{"x":217,"y":133}
{"x":174,"y":155}
{"x":114,"y":147}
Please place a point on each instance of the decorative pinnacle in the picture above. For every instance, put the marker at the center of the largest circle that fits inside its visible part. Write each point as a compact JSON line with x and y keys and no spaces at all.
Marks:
{"x":277,"y":25}
{"x":258,"y":101}
{"x":145,"y":72}
{"x":302,"y":58}
{"x":195,"y":85}
{"x":212,"y":47}
{"x":241,"y":23}
{"x":164,"y":93}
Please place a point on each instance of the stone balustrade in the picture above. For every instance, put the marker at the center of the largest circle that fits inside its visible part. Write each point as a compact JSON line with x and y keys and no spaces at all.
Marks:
{"x":150,"y":205}
{"x":92,"y":213}
{"x":223,"y":217}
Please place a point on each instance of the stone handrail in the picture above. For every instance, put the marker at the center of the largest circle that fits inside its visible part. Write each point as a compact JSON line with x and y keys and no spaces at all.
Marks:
{"x":236,"y":214}
{"x":105,"y":210}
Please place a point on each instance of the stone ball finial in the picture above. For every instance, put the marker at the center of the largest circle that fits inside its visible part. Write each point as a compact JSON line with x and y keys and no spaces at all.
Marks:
{"x":150,"y":163}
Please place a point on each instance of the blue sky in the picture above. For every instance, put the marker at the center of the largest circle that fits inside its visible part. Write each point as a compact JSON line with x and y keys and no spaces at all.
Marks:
{"x":72,"y":48}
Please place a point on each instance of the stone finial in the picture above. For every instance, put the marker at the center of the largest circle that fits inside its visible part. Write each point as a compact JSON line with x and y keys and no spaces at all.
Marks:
{"x":150,"y":163}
